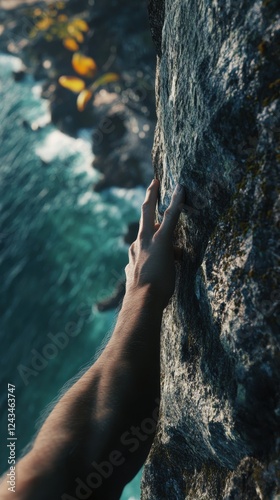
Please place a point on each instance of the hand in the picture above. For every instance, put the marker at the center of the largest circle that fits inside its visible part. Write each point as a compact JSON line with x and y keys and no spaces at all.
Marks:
{"x":151,"y":256}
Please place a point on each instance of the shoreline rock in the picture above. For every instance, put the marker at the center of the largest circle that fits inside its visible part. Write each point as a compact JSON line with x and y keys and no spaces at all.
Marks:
{"x":116,"y":48}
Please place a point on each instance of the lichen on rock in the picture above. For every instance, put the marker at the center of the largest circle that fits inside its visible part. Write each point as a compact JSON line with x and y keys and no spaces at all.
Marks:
{"x":217,"y":133}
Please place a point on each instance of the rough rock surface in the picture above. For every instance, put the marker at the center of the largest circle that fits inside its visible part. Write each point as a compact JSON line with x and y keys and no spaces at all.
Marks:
{"x":217,"y":133}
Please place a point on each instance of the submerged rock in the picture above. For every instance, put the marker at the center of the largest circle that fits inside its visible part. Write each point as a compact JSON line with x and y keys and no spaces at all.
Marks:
{"x":217,"y":133}
{"x":19,"y":75}
{"x":122,"y":142}
{"x":114,"y":300}
{"x":119,"y":41}
{"x":132,"y":232}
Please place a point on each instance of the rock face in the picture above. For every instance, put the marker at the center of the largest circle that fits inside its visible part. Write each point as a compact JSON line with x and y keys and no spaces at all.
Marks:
{"x":217,"y":133}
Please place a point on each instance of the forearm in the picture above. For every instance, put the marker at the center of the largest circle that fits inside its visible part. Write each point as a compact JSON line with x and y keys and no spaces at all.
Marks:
{"x":136,"y":336}
{"x":108,"y":418}
{"x":129,"y":374}
{"x":131,"y":368}
{"x":96,"y":415}
{"x":134,"y":352}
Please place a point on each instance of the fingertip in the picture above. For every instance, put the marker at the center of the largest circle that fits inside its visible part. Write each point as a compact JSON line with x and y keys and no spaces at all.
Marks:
{"x":180,"y":190}
{"x":181,"y":206}
{"x":178,"y":197}
{"x":153,"y":185}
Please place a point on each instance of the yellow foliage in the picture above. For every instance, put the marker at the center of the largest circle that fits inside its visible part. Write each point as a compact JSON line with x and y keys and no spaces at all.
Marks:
{"x":70,"y":44}
{"x":80,"y":24}
{"x":44,"y":24}
{"x":73,"y":31}
{"x":83,"y":98}
{"x":62,"y":18}
{"x":83,"y":65}
{"x":103,"y":80}
{"x":37,"y":12}
{"x":72,"y":83}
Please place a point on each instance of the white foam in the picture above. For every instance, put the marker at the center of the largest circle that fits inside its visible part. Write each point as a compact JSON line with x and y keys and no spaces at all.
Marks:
{"x":58,"y":145}
{"x":134,"y":197}
{"x":85,"y":198}
{"x":11,"y":63}
{"x":43,"y":119}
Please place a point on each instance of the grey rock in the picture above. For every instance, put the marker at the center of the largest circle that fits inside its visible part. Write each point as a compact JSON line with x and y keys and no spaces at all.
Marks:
{"x":217,"y":133}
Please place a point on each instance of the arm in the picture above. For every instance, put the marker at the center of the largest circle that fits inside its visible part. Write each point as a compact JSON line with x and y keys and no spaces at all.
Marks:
{"x":100,"y":432}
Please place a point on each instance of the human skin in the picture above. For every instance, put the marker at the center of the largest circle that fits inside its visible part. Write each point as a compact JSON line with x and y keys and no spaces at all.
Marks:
{"x":100,"y":432}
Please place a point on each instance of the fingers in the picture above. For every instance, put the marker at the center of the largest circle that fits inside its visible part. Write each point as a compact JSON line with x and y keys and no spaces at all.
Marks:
{"x":131,"y":251}
{"x":156,"y":227}
{"x":146,"y":226}
{"x":171,"y":215}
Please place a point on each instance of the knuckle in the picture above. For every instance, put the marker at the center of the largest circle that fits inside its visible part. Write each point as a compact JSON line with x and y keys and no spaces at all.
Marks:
{"x":145,"y":206}
{"x":131,"y":250}
{"x":168,"y":213}
{"x":141,"y":234}
{"x":159,"y":238}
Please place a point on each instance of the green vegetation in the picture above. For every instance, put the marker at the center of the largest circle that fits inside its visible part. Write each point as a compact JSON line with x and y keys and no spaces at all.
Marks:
{"x":55,"y":24}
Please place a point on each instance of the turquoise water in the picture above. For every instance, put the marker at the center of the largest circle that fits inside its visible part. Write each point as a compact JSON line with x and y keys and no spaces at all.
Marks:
{"x":62,"y":250}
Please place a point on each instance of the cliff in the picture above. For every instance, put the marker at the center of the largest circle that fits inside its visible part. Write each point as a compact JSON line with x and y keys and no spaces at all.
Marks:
{"x":217,"y":133}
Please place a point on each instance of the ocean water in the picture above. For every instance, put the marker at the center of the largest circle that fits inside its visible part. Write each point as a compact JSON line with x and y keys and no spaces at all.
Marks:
{"x":62,"y":250}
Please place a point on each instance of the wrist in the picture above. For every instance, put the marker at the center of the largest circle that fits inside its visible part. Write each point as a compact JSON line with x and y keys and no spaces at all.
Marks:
{"x":144,"y":297}
{"x":136,"y":336}
{"x":140,"y":314}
